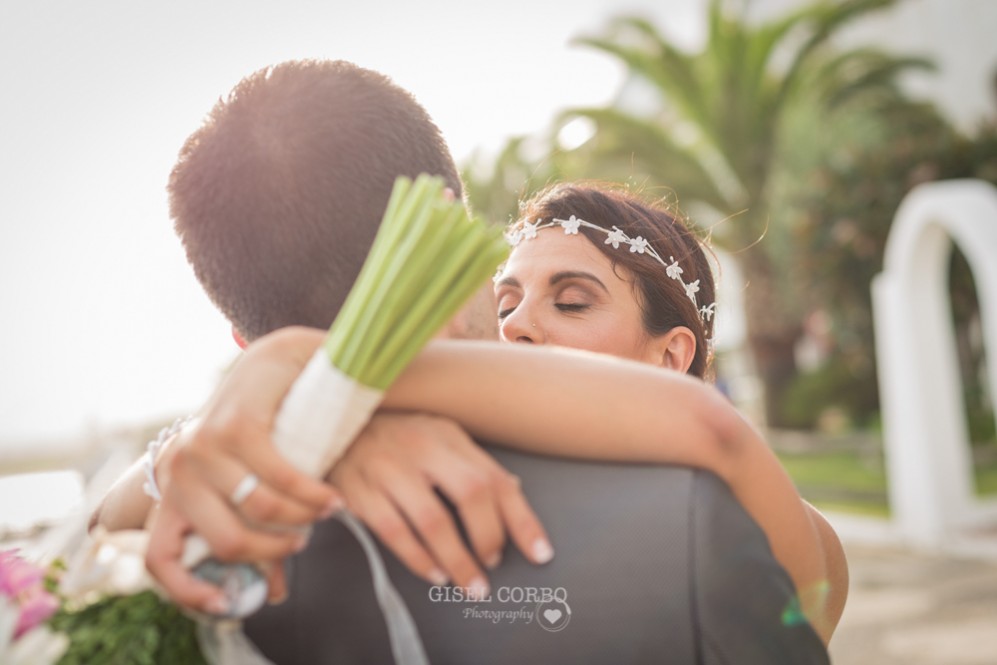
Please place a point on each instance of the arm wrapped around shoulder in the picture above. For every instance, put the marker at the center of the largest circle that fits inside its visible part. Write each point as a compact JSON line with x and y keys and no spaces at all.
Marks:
{"x":744,"y":602}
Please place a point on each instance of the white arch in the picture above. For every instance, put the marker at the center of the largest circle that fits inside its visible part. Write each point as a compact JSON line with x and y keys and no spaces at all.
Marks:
{"x":927,"y":448}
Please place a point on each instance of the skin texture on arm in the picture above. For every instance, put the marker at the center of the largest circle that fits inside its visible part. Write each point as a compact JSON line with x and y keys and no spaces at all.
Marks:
{"x":650,"y":415}
{"x":837,"y":574}
{"x":126,"y":505}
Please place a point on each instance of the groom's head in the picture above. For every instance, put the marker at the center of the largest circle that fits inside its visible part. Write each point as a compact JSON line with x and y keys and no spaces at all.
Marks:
{"x":278,"y":195}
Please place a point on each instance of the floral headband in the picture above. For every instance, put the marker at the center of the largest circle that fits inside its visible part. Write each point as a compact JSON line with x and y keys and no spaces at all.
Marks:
{"x":616,"y":237}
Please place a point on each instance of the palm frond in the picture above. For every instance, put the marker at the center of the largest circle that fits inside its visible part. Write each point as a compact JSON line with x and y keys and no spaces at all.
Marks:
{"x":666,"y":67}
{"x":648,"y":142}
{"x":864,"y":72}
{"x":827,"y":18}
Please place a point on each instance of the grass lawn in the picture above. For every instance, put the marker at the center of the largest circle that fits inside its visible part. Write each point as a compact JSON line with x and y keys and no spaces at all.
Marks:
{"x":841,"y":481}
{"x":846,"y":481}
{"x":986,"y":479}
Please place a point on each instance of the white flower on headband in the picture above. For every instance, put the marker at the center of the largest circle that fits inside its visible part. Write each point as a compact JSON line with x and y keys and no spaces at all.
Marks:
{"x":639,"y":245}
{"x":570,"y":225}
{"x":529,"y":231}
{"x":616,"y":237}
{"x":673,"y":270}
{"x":691,"y":290}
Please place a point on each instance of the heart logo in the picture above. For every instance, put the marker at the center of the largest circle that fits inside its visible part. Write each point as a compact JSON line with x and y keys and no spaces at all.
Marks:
{"x":552,"y":615}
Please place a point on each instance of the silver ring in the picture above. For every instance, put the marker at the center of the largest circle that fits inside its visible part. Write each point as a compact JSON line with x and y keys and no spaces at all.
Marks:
{"x":245,"y":487}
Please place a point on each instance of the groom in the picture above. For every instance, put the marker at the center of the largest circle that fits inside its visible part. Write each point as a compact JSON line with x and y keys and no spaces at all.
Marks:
{"x":277,"y":199}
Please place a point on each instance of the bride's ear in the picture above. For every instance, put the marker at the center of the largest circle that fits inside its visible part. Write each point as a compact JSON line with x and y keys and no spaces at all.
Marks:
{"x":676,"y":349}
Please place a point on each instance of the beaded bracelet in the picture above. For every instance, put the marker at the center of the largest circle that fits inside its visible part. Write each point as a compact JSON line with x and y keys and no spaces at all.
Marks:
{"x":150,"y":487}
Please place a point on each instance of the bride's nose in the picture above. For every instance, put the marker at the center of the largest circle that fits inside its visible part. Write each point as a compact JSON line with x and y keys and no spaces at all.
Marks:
{"x":521,"y":326}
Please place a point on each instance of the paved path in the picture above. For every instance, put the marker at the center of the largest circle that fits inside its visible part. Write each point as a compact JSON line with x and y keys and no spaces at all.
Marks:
{"x":906,"y":608}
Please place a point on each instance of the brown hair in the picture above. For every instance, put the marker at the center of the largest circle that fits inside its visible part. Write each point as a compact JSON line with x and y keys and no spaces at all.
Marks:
{"x":663,"y":301}
{"x":278,"y":196}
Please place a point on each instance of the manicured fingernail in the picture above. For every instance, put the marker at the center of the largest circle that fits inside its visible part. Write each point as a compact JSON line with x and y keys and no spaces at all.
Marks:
{"x":494,"y":560}
{"x":542,"y":551}
{"x":218,"y":606}
{"x":478,"y":588}
{"x":438,"y":577}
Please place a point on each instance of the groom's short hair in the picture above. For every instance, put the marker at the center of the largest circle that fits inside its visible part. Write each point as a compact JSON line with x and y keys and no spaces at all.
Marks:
{"x":278,"y":195}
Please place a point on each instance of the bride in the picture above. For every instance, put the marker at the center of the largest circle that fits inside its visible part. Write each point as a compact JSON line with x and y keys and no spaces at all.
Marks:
{"x":628,"y":289}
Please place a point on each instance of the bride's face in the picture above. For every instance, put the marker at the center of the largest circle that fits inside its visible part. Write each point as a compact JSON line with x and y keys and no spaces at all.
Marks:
{"x":559,"y":289}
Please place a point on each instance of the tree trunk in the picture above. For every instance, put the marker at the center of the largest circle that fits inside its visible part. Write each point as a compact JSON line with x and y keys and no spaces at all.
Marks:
{"x":773,"y":329}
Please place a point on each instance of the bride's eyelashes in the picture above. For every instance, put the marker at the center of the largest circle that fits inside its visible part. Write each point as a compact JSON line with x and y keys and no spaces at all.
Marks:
{"x":572,"y":307}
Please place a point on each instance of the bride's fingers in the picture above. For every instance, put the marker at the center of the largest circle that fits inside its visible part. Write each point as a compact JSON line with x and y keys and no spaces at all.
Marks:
{"x":518,"y":518}
{"x":213,"y":450}
{"x":258,"y":502}
{"x":245,"y":478}
{"x":288,"y":481}
{"x":382,"y":517}
{"x":469,"y":488}
{"x":228,"y":536}
{"x":163,"y":561}
{"x":522,"y":523}
{"x":276,"y":582}
{"x":264,"y":506}
{"x":434,"y":524}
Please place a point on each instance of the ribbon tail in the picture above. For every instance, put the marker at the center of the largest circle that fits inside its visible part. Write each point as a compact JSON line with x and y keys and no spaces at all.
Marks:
{"x":406,"y":645}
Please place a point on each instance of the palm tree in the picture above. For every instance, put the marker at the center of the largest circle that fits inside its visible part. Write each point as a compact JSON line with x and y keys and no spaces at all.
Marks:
{"x":715,"y":137}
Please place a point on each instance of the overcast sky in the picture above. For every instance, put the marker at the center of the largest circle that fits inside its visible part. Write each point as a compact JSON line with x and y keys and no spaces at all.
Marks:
{"x":103,"y":322}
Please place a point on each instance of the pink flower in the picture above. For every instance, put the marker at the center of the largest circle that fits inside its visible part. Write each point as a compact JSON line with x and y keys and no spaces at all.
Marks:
{"x":16,"y":574}
{"x":23,"y":583}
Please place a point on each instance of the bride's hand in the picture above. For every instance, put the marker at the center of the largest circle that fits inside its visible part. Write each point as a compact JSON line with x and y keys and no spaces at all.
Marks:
{"x":211,"y":458}
{"x":390,"y":477}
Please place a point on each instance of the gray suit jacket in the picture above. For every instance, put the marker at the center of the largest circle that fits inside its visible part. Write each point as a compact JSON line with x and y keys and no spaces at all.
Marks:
{"x":653,"y":564}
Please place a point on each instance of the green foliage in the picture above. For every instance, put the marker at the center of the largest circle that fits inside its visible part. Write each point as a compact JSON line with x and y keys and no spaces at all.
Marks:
{"x":972,"y":360}
{"x":837,"y":384}
{"x":140,"y":629}
{"x":495,"y":186}
{"x":841,"y":212}
{"x":717,"y":131}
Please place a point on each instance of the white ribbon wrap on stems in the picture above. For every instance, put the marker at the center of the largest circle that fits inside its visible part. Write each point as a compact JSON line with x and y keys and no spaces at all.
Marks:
{"x":321,"y":416}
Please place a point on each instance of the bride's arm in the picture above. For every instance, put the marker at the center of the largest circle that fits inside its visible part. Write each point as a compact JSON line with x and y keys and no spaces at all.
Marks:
{"x":580,"y":404}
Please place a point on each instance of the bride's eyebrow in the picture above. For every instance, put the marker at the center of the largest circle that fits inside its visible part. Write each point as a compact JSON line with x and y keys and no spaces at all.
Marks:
{"x":508,"y":281}
{"x":576,"y":274}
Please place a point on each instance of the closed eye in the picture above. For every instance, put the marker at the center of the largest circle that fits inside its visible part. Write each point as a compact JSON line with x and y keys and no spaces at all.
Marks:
{"x":572,"y":307}
{"x":505,"y":312}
